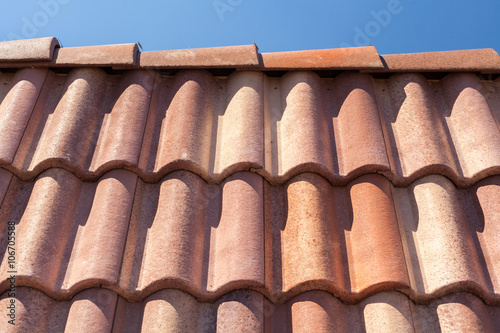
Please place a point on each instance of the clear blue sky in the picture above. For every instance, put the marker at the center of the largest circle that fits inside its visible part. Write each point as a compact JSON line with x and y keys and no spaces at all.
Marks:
{"x":392,"y":26}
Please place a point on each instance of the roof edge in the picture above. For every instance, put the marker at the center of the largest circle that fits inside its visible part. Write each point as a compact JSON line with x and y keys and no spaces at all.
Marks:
{"x":38,"y":49}
{"x":47,"y":52}
{"x":364,"y":57}
{"x":476,"y":60}
{"x":212,"y":57}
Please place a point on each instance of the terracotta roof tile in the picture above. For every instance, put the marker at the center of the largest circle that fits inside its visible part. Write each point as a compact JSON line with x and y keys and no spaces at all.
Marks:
{"x":211,"y":57}
{"x":478,"y":143}
{"x":39,"y":49}
{"x":442,"y":240}
{"x":45,"y":52}
{"x":15,"y":112}
{"x":479,"y":60}
{"x":107,"y":55}
{"x":347,"y":58}
{"x":5,"y":178}
{"x":311,"y":198}
{"x":345,"y":240}
{"x":404,"y":127}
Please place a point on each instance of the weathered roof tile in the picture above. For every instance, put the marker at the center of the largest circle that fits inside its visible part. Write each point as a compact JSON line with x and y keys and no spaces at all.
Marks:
{"x":211,"y":57}
{"x":479,"y":60}
{"x":357,"y":58}
{"x":38,"y":49}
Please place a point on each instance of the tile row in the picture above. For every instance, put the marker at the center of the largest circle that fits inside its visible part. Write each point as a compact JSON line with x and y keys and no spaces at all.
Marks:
{"x":404,"y":127}
{"x":172,"y":310}
{"x":427,"y":240}
{"x":47,"y":52}
{"x":478,"y":60}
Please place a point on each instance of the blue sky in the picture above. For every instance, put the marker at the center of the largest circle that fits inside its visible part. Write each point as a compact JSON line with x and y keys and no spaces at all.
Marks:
{"x":392,"y":26}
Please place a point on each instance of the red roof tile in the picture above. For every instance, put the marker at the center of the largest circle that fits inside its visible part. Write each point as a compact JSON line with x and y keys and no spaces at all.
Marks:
{"x":480,"y":60}
{"x":212,"y":57}
{"x":108,"y":55}
{"x":345,"y":240}
{"x":303,"y":199}
{"x":45,"y":52}
{"x":348,"y":58}
{"x":40,"y":49}
{"x":404,"y":127}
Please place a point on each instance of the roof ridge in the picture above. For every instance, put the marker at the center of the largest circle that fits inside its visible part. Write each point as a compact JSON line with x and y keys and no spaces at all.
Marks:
{"x":43,"y":52}
{"x":36,"y":50}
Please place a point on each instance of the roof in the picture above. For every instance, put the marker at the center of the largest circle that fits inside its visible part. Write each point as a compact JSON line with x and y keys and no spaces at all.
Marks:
{"x":47,"y":52}
{"x":229,"y":189}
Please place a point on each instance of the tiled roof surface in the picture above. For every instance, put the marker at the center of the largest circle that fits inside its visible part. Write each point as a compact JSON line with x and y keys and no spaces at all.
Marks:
{"x":173,"y":310}
{"x":89,"y":122}
{"x":223,"y":189}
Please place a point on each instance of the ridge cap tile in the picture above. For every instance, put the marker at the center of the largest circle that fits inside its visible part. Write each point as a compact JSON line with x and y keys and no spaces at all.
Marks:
{"x":483,"y":60}
{"x":362,"y":57}
{"x":97,"y":55}
{"x":212,"y":57}
{"x":24,"y":50}
{"x":46,"y":52}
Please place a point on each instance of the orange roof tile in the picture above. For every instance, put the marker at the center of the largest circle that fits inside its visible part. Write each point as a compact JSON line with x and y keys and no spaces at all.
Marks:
{"x":348,"y":58}
{"x":40,"y":49}
{"x":403,"y":127}
{"x":302,"y":200}
{"x":212,"y":57}
{"x":479,"y":60}
{"x":108,"y":55}
{"x":345,"y":240}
